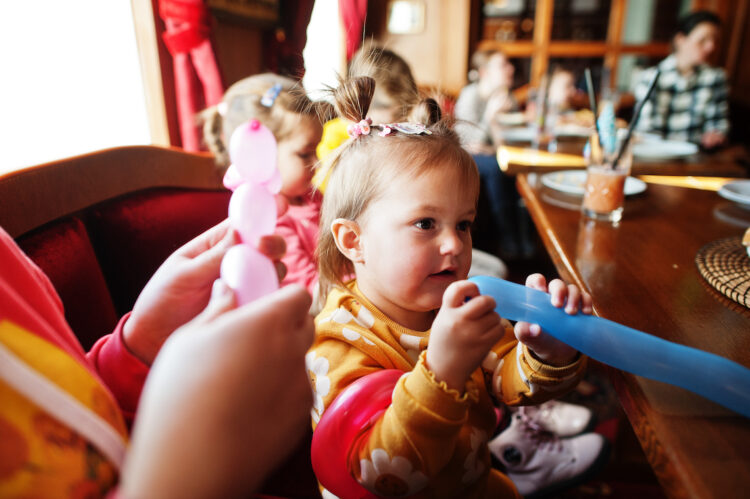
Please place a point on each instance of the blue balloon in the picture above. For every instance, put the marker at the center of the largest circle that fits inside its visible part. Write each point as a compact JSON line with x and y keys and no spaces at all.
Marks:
{"x":714,"y":377}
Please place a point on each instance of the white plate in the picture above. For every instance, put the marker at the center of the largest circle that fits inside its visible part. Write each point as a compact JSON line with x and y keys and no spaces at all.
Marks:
{"x":737,"y":191}
{"x":663,"y":149}
{"x":573,"y":182}
{"x":518,"y":134}
{"x":512,"y":119}
{"x":572,"y":130}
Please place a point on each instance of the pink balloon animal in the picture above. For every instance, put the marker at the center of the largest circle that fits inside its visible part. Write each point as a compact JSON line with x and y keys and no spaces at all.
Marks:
{"x":254,"y":179}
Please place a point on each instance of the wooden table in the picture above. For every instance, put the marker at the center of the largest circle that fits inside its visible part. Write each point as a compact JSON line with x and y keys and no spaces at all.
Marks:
{"x":642,"y":273}
{"x":723,"y":163}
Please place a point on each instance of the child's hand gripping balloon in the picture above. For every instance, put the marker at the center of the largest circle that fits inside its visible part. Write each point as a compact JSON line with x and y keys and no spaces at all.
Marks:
{"x":545,"y":346}
{"x":254,"y":178}
{"x":464,"y":330}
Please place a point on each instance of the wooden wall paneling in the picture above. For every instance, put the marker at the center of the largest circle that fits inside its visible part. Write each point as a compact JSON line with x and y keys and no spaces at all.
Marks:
{"x":238,"y":48}
{"x":453,"y":55}
{"x":439,"y":55}
{"x":736,"y":35}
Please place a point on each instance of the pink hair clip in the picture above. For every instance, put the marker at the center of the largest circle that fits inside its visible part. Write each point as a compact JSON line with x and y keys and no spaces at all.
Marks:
{"x":362,"y":128}
{"x":385,"y":130}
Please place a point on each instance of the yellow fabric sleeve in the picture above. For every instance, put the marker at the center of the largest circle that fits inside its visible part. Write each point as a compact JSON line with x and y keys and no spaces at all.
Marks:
{"x":518,"y":378}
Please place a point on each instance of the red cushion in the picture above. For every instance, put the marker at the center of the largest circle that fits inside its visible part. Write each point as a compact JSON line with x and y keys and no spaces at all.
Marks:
{"x":63,"y":251}
{"x":134,"y":234}
{"x":294,"y":478}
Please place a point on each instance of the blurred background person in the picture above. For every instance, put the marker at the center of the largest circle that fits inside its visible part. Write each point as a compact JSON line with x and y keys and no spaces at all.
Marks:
{"x":477,"y":113}
{"x":690,"y":99}
{"x":482,"y":101}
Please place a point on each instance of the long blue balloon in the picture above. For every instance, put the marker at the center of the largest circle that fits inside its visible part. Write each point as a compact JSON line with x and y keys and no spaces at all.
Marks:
{"x":714,"y":377}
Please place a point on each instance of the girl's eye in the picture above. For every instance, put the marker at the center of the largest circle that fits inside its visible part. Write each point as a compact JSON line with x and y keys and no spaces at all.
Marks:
{"x":464,"y":226}
{"x":425,"y":224}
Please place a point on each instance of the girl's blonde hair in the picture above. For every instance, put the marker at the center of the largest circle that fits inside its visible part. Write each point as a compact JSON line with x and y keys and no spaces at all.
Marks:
{"x":245,"y":100}
{"x":392,"y":74}
{"x":363,"y":165}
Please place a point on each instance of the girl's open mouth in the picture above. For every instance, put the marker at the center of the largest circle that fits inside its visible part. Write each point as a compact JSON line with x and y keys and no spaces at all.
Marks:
{"x":445,"y":273}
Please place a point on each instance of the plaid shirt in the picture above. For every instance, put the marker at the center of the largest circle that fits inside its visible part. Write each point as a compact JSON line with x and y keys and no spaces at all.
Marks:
{"x":684,"y":108}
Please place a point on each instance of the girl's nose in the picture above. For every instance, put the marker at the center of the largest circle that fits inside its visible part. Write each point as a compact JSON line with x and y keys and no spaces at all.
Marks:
{"x":451,"y":243}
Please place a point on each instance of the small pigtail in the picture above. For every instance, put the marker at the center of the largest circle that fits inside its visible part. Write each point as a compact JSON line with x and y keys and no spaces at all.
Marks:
{"x":427,"y":112}
{"x":212,"y":134}
{"x":323,"y":110}
{"x":353,"y":96}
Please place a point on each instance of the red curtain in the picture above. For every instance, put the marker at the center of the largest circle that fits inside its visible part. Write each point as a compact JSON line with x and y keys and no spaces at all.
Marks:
{"x":353,"y":14}
{"x":197,"y":78}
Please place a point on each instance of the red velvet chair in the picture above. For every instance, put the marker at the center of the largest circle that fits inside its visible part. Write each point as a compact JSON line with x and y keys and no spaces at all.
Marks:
{"x":100,"y":224}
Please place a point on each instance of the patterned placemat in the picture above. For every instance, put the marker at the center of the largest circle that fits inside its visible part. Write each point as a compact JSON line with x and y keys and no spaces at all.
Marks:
{"x":725,"y":264}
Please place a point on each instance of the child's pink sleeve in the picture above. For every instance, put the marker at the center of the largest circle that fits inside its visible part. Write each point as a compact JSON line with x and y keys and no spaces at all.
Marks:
{"x":301,"y":237}
{"x":122,"y":372}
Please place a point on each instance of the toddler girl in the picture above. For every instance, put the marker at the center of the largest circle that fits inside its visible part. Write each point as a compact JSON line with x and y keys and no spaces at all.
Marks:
{"x":397,"y":215}
{"x":296,"y":122}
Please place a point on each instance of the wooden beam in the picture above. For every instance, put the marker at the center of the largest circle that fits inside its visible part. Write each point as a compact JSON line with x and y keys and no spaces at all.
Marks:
{"x":614,"y":38}
{"x":148,"y":56}
{"x":650,"y":49}
{"x":510,"y":49}
{"x":542,"y":34}
{"x":578,"y":49}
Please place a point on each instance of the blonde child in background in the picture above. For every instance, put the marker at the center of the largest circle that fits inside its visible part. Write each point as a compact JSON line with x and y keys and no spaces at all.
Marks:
{"x":395,"y":94}
{"x":281,"y":104}
{"x":562,"y":97}
{"x":397,"y":215}
{"x":562,"y":90}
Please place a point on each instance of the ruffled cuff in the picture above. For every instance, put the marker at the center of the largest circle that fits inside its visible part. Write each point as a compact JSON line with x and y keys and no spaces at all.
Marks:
{"x":435,"y":395}
{"x":122,"y":372}
{"x":546,"y":374}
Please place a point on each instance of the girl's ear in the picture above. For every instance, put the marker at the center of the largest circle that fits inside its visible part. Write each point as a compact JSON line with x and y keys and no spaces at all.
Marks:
{"x":346,"y":233}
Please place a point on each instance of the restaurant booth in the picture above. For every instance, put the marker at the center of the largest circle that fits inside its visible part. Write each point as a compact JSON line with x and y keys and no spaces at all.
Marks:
{"x":99,"y":224}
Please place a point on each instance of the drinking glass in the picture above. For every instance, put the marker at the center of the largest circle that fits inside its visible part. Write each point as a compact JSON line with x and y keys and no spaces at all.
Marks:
{"x":604,"y":195}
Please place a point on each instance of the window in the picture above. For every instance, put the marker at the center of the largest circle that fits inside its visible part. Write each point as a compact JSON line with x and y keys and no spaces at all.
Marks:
{"x":71,"y":82}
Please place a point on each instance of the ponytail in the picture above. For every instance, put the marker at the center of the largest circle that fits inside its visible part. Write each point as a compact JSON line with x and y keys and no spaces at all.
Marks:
{"x":353,"y":96}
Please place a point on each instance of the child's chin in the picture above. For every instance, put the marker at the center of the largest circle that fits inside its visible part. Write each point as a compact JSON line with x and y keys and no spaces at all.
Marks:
{"x":437,"y":290}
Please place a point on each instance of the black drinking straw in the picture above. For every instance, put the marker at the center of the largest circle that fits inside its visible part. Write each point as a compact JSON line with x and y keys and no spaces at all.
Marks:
{"x":592,"y":103}
{"x":636,"y":115}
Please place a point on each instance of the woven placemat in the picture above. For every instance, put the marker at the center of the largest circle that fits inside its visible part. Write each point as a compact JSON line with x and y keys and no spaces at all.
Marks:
{"x":725,"y":264}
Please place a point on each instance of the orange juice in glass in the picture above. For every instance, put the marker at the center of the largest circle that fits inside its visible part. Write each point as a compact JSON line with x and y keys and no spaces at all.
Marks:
{"x":604,"y":194}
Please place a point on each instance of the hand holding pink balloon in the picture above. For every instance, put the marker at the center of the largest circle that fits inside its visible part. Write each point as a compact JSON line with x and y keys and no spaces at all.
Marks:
{"x":254,"y":178}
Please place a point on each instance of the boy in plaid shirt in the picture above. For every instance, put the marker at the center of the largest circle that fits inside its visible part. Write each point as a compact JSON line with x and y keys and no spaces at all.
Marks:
{"x":690,"y":99}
